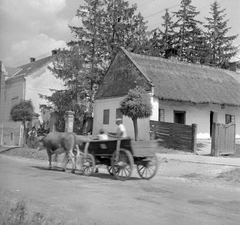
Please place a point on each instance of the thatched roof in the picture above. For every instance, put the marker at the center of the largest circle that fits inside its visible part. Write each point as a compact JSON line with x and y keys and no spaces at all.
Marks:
{"x":179,"y":81}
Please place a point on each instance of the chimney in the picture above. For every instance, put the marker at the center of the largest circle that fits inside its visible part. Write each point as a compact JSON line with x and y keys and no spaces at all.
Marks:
{"x":171,"y":54}
{"x":54,"y":52}
{"x":32,"y":59}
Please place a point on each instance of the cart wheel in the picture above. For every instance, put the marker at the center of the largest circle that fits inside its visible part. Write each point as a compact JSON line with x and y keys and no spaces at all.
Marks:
{"x":88,"y":165}
{"x":123,"y":166}
{"x":148,"y":167}
{"x":110,"y":171}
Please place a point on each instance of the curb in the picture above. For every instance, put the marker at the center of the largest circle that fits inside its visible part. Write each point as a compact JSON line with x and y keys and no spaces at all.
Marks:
{"x":201,"y":159}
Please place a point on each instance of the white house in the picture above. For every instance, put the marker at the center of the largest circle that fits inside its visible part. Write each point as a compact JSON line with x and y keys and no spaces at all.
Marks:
{"x":24,"y":83}
{"x":180,"y":93}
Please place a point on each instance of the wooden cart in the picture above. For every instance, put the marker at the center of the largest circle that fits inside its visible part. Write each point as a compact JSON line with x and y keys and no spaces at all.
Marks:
{"x":119,"y":156}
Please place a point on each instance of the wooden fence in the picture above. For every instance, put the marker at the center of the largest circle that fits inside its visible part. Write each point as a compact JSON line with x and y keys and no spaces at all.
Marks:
{"x":174,"y":135}
{"x":223,"y":139}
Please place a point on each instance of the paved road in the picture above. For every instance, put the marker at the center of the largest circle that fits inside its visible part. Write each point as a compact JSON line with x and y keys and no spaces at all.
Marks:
{"x":102,"y":200}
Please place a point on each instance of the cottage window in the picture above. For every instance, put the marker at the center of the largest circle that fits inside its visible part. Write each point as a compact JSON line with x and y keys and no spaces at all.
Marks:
{"x":229,"y":118}
{"x":180,"y":117}
{"x":161,"y":115}
{"x":106,"y":113}
{"x":119,"y":113}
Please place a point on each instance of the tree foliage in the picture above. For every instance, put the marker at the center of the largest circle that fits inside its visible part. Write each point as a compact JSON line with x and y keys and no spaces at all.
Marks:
{"x":136,"y":105}
{"x":183,"y":36}
{"x":220,"y":45}
{"x":106,"y":26}
{"x":22,"y":112}
{"x":68,"y":65}
{"x":187,"y":31}
{"x":161,"y":43}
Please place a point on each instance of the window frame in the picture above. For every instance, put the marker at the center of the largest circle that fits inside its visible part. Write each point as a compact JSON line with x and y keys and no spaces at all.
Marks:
{"x":106,"y":116}
{"x":161,"y":116}
{"x":229,"y":118}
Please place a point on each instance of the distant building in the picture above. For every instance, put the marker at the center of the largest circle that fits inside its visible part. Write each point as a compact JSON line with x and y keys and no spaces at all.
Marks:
{"x":24,"y":83}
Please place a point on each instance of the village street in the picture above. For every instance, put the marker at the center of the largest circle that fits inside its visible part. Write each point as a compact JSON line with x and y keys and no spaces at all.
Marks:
{"x":180,"y":193}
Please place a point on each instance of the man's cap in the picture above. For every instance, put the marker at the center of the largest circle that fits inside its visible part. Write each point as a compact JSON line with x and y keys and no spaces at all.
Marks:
{"x":118,"y":119}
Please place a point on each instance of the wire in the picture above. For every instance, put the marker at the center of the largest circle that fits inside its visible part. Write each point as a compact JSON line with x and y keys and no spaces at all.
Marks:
{"x":223,"y":1}
{"x":159,"y":12}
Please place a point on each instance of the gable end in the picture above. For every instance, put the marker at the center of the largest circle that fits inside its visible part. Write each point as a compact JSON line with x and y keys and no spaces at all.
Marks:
{"x":122,"y":75}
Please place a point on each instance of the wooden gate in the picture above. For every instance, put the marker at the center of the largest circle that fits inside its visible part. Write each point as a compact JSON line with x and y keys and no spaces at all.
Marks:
{"x":223,"y":139}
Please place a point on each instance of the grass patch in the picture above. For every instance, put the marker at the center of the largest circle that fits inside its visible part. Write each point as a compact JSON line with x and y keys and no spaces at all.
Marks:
{"x":27,"y":153}
{"x":19,"y":214}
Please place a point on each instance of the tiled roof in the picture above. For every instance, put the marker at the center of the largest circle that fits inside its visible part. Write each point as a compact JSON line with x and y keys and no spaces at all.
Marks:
{"x":179,"y":81}
{"x":28,"y":69}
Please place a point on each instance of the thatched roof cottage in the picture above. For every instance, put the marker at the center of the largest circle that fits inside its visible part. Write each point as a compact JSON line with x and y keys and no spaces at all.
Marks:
{"x":180,"y":93}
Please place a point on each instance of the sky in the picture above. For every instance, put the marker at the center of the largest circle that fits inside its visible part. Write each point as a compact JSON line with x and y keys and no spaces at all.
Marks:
{"x":33,"y":28}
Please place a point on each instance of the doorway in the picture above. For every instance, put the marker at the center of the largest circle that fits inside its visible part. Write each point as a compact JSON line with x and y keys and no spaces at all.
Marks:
{"x":180,"y":117}
{"x":213,"y":119}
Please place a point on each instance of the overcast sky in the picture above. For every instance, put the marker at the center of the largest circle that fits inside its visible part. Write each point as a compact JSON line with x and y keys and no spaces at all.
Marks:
{"x":32,"y":28}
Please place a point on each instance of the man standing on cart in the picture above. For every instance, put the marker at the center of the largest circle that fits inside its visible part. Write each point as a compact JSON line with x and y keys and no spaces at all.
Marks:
{"x":121,"y":130}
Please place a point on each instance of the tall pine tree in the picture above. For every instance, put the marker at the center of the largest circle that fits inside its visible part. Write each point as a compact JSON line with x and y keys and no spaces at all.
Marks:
{"x":124,"y":27}
{"x":168,"y":35}
{"x":106,"y":26}
{"x":161,"y":42}
{"x":221,"y":47}
{"x":187,"y":32}
{"x":89,"y":39}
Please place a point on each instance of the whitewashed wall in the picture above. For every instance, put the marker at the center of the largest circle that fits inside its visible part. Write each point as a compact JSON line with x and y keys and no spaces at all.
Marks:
{"x":41,"y":82}
{"x":25,"y":88}
{"x":198,"y":114}
{"x":12,"y":94}
{"x":195,"y":113}
{"x":112,"y":105}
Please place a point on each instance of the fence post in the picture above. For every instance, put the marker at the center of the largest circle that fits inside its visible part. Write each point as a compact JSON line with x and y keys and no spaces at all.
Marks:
{"x":69,"y":121}
{"x":213,"y":141}
{"x":194,"y":138}
{"x":214,"y":145}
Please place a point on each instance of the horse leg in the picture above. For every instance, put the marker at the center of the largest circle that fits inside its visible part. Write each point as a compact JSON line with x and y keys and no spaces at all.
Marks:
{"x":49,"y":159}
{"x":78,"y":158}
{"x":72,"y":157}
{"x":65,"y":161}
{"x":56,"y":159}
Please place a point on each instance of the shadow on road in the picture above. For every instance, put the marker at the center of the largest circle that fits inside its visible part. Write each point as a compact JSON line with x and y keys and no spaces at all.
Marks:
{"x":55,"y":168}
{"x":80,"y":173}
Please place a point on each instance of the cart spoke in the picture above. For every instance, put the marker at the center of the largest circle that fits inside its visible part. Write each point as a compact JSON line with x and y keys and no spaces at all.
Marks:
{"x":148,"y":168}
{"x":88,"y":165}
{"x":125,"y":171}
{"x":142,"y":170}
{"x":122,"y":165}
